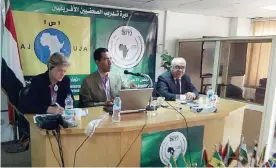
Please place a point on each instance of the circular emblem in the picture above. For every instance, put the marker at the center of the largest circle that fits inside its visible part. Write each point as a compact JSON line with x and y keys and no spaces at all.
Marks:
{"x":56,"y":88}
{"x":127,"y":47}
{"x":173,"y":144}
{"x":50,"y":41}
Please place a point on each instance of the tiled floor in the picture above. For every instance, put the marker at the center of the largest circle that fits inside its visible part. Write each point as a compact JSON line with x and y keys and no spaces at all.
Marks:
{"x":22,"y":159}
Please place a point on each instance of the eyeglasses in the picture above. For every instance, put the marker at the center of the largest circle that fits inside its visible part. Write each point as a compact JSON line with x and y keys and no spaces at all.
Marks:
{"x":177,"y":67}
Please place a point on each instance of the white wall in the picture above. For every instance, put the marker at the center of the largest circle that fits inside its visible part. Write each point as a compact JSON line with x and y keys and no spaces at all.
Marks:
{"x":233,"y":26}
{"x":160,"y":42}
{"x":6,"y":128}
{"x":183,"y":26}
{"x":244,"y":27}
{"x":240,"y":27}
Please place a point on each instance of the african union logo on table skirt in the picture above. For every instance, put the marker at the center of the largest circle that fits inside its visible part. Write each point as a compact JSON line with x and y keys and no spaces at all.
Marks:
{"x":174,"y":144}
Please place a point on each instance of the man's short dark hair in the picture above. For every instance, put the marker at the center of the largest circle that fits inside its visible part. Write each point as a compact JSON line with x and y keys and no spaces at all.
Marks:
{"x":98,"y":53}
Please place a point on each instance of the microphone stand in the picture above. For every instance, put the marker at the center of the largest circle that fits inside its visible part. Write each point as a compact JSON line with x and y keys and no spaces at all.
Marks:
{"x":149,"y":107}
{"x":149,"y":78}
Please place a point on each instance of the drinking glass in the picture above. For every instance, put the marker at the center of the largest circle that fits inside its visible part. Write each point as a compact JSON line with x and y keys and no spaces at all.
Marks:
{"x":154,"y":106}
{"x":178,"y":103}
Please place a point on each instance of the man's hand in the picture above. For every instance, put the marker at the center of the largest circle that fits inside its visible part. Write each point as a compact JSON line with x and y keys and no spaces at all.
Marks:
{"x":108,"y":103}
{"x":132,"y":86}
{"x":190,"y":96}
{"x":55,"y":110}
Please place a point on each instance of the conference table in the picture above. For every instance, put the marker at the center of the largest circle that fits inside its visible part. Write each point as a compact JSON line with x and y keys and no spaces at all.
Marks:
{"x":121,"y":144}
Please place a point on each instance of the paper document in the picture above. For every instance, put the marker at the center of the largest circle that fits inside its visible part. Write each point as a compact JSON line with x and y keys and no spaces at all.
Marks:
{"x":92,"y":125}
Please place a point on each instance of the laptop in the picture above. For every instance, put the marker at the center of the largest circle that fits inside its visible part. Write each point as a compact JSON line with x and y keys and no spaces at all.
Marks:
{"x":135,"y":100}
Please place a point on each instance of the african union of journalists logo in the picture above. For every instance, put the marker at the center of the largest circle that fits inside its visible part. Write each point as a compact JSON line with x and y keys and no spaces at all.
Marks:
{"x":127,"y":47}
{"x":173,"y":144}
{"x":50,"y":41}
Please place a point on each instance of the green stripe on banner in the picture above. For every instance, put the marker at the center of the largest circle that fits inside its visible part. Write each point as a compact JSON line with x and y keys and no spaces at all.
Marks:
{"x":75,"y":83}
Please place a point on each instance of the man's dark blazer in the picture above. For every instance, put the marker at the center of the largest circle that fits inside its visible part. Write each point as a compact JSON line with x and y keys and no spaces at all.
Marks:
{"x":166,"y":86}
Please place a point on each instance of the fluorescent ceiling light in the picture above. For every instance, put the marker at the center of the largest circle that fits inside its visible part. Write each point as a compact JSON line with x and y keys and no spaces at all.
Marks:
{"x":270,"y":7}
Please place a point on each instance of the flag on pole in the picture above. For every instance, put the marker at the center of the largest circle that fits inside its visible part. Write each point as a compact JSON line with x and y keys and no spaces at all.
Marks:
{"x":261,"y":159}
{"x":204,"y":158}
{"x":272,"y":160}
{"x":220,"y":149}
{"x":243,"y":157}
{"x":254,"y":154}
{"x":12,"y":80}
{"x":267,"y":164}
{"x":228,"y":154}
{"x":216,"y":160}
{"x":225,"y":151}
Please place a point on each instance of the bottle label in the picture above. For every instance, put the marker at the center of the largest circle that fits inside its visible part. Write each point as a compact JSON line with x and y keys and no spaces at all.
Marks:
{"x":69,"y":112}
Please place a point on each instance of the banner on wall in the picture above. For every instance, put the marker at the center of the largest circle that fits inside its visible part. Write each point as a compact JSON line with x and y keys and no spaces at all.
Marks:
{"x":158,"y":147}
{"x":44,"y":28}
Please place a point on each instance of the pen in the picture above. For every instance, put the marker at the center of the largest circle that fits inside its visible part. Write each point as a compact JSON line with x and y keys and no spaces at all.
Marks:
{"x":57,"y":104}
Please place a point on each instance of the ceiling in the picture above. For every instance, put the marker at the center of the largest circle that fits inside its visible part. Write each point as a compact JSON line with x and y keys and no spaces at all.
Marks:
{"x":223,"y":8}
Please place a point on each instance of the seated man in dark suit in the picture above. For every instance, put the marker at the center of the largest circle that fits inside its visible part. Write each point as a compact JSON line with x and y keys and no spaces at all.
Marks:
{"x":176,"y":82}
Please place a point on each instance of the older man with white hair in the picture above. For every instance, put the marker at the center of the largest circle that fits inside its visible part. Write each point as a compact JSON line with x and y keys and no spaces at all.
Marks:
{"x":176,"y":82}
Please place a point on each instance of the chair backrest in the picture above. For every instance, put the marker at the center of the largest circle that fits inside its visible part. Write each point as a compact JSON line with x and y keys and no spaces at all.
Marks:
{"x":22,"y":98}
{"x":80,"y":103}
{"x":154,"y":93}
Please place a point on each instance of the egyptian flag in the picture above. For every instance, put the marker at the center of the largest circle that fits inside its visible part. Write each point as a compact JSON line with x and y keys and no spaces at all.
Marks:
{"x":12,"y":80}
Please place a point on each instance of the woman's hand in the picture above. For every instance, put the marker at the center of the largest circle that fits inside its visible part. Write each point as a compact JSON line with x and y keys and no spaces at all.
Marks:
{"x":55,"y":110}
{"x":108,"y":103}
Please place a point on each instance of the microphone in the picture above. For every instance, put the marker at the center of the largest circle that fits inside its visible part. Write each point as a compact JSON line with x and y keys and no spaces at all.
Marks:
{"x":131,"y":73}
{"x":140,"y":75}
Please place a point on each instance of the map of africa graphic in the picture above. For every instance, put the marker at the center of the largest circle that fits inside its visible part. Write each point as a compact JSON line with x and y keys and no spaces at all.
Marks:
{"x":50,"y":41}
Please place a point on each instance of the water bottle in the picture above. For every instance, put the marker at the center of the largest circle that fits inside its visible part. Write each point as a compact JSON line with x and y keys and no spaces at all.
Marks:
{"x":116,"y":117}
{"x":200,"y":102}
{"x":69,"y":104}
{"x":209,"y":97}
{"x":215,"y":99}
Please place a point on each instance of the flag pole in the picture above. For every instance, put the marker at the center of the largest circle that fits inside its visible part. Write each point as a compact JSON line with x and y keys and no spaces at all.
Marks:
{"x":203,"y":149}
{"x":255,"y":153}
{"x":220,"y":149}
{"x":261,"y":159}
{"x":227,"y":151}
{"x":251,"y":159}
{"x":238,"y":156}
{"x":252,"y":155}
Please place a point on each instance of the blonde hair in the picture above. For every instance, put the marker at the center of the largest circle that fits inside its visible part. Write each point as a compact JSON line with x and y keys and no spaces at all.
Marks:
{"x":57,"y":59}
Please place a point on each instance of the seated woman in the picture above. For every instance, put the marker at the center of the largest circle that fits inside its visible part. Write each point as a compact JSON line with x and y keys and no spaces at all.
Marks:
{"x":48,"y":91}
{"x":46,"y":94}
